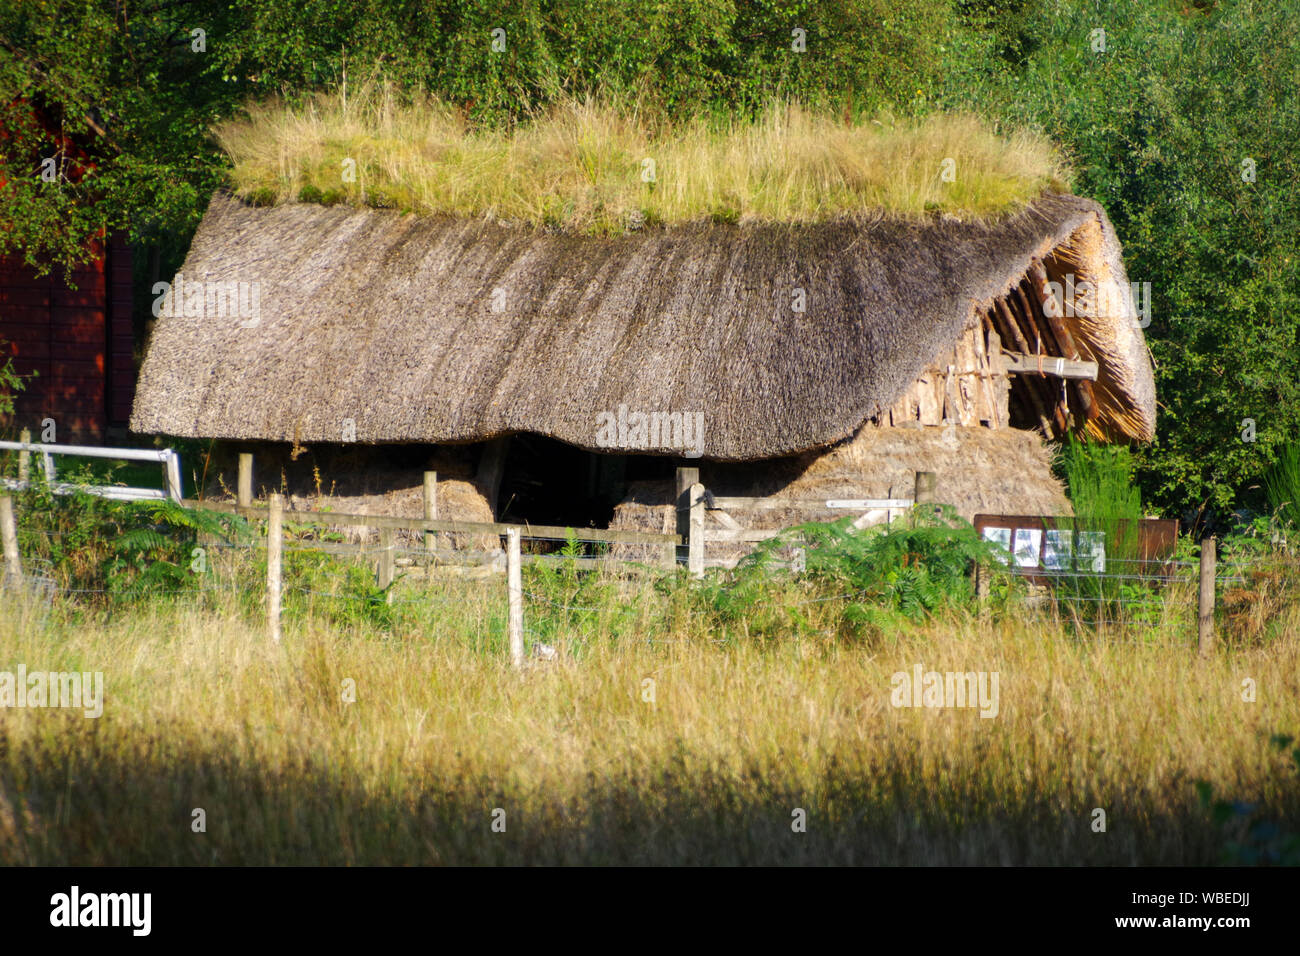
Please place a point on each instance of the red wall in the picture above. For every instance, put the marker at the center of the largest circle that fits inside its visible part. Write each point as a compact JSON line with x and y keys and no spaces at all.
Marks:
{"x":78,"y":341}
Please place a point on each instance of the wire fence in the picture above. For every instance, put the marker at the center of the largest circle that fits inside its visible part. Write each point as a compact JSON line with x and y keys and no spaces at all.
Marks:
{"x":1138,"y":589}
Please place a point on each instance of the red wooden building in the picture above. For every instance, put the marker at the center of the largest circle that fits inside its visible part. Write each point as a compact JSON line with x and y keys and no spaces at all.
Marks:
{"x":77,"y":341}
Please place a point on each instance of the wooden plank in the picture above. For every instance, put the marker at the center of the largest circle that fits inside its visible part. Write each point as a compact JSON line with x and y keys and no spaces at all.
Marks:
{"x":685,"y":478}
{"x":430,"y":507}
{"x":1205,"y":600}
{"x":514,"y":599}
{"x":329,"y":518}
{"x":743,"y":535}
{"x":1019,"y":364}
{"x":723,"y":518}
{"x":698,"y":536}
{"x":245,"y":486}
{"x":858,"y":504}
{"x":925,"y":483}
{"x":734,"y":503}
{"x":870,"y":518}
{"x":993,"y":417}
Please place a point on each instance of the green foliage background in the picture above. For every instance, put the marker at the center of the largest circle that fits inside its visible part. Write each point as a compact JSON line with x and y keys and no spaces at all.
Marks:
{"x":1158,"y":125}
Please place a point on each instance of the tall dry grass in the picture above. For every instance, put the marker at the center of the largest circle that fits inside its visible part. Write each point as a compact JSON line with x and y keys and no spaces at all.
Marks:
{"x":202,"y":712}
{"x":584,"y":164}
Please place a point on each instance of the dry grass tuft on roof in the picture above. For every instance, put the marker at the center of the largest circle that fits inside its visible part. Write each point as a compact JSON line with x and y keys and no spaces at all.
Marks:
{"x":603,"y":168}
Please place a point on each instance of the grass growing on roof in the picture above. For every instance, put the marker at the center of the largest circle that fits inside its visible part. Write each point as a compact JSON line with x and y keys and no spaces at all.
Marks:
{"x":584,"y":164}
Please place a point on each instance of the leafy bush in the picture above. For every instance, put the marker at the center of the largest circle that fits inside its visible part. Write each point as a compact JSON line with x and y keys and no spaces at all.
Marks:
{"x":130,"y":550}
{"x":878,"y":579}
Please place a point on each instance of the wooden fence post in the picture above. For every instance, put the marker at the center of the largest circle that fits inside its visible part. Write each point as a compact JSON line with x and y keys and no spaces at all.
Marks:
{"x":982,"y":589}
{"x":173,"y":472}
{"x":430,"y":509}
{"x":25,"y":456}
{"x":245,"y":487}
{"x":686,"y":477}
{"x":1205,"y":606}
{"x":926,"y":483}
{"x":274,"y":547}
{"x":923,"y":491}
{"x":387,"y":562}
{"x":515,"y":592}
{"x":9,"y":536}
{"x":695,"y":546}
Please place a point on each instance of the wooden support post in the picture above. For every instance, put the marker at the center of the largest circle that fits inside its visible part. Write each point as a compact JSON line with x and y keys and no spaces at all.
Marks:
{"x":274,"y":548}
{"x":515,"y":591}
{"x":387,"y":562}
{"x":922,"y":493}
{"x":9,"y":537}
{"x":695,"y":547}
{"x":926,"y":483}
{"x":686,"y":477}
{"x":982,"y":589}
{"x":1205,"y":606}
{"x":430,"y":509}
{"x":245,"y":488}
{"x":998,"y":373}
{"x":25,"y":456}
{"x":491,"y":466}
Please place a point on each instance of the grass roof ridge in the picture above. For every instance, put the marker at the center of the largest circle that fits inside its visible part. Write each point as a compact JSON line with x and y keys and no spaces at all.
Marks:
{"x":593,"y":167}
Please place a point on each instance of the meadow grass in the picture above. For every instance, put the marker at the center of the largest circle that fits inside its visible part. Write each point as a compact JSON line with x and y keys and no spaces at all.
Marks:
{"x":604,"y":166}
{"x":201,"y":711}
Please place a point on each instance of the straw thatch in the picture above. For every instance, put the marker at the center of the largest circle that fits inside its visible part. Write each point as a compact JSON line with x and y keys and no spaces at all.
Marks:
{"x":440,"y":330}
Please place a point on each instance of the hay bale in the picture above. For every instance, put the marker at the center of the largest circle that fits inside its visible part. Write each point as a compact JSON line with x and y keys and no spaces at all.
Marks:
{"x":361,"y":480}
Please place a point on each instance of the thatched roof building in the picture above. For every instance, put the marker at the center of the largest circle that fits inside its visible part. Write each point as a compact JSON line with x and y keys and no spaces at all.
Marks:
{"x":772,"y":340}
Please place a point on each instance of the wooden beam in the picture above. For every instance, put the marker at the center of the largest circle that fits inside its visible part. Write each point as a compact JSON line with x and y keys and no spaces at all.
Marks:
{"x":1087,"y":398}
{"x":1020,"y":364}
{"x":245,"y":486}
{"x":1029,"y":321}
{"x":743,"y":536}
{"x":430,"y":508}
{"x":1010,"y":328}
{"x":925,"y":483}
{"x":984,"y":368}
{"x":698,"y":536}
{"x":1013,"y":333}
{"x":328,"y":519}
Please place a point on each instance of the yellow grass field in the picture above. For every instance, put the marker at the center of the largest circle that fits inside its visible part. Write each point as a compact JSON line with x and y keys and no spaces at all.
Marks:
{"x":676,"y":745}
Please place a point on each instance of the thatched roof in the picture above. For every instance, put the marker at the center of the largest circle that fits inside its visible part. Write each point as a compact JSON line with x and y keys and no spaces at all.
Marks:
{"x":390,"y":321}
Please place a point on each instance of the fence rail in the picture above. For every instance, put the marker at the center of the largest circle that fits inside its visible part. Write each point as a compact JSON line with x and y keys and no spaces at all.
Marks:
{"x":695,"y":505}
{"x":166,"y":457}
{"x":526,"y":530}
